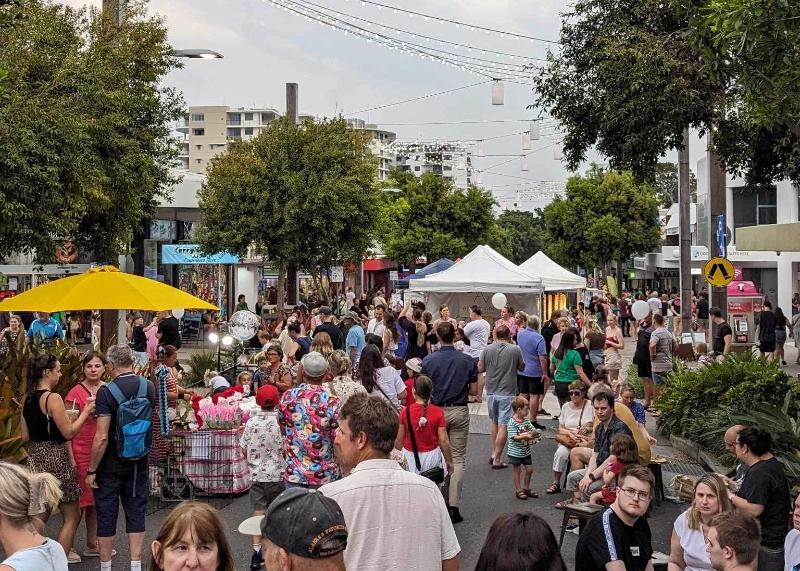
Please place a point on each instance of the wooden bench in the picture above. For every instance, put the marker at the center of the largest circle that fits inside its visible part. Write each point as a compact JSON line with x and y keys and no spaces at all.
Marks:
{"x":583,"y":511}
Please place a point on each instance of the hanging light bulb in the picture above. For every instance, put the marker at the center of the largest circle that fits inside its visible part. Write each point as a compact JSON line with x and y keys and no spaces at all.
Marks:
{"x":535,"y":132}
{"x":526,"y":143}
{"x":481,"y":149}
{"x":523,"y":163}
{"x":498,"y":92}
{"x":558,"y":151}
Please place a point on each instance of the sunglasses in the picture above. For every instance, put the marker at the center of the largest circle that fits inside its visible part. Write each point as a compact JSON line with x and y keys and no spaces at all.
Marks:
{"x":575,"y":393}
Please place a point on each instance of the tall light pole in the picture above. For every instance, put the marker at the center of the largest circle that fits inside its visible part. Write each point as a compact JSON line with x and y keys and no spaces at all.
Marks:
{"x":685,"y":233}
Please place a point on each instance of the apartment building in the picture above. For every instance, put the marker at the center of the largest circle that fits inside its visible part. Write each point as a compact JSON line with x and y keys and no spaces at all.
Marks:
{"x":382,"y":143}
{"x":446,"y":159}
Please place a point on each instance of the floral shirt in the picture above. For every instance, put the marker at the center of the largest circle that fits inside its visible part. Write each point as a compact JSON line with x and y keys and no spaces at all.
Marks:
{"x":344,"y":387}
{"x":262,"y":443}
{"x":308,"y":416}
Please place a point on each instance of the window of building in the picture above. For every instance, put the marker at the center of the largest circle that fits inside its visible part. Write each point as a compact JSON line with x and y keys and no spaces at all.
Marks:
{"x":267,"y":117}
{"x":752,"y":208}
{"x":234,"y":118}
{"x":198,"y":147}
{"x":198,"y":132}
{"x":198,"y":161}
{"x":416,"y":169}
{"x":248,"y":130}
{"x":198,"y":117}
{"x":234,"y":132}
{"x":448,"y":157}
{"x":248,"y":116}
{"x":448,"y":168}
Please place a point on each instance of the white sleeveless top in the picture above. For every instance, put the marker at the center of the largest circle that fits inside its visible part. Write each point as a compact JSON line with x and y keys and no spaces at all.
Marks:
{"x":49,"y":556}
{"x":694,"y":545}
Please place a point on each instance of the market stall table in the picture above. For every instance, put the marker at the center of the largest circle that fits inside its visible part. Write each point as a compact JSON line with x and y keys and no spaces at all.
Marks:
{"x":212,"y":460}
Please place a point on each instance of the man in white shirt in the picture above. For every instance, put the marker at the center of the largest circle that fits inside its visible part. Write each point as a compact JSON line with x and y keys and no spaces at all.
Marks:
{"x":477,"y":331}
{"x":376,"y":325}
{"x":386,"y":508}
{"x":654,"y":301}
{"x":351,"y":297}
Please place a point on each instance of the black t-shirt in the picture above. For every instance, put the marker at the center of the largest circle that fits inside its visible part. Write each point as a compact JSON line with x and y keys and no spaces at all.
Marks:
{"x":588,"y":366}
{"x":168,"y":328}
{"x":765,"y":484}
{"x":766,"y":326}
{"x":702,"y":308}
{"x":548,"y":332}
{"x":332,"y":330}
{"x":719,"y":341}
{"x":106,"y":405}
{"x":414,"y":349}
{"x":139,"y":339}
{"x":642,"y":353}
{"x":607,"y":538}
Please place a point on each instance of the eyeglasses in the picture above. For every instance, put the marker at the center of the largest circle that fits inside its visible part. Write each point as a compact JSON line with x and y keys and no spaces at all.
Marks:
{"x":635,"y":494}
{"x":575,"y":393}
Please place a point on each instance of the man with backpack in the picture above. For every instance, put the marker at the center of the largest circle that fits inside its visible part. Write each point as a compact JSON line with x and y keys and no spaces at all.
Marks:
{"x":118,"y":469}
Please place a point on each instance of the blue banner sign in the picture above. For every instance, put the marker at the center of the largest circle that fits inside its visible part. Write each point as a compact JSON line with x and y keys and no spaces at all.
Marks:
{"x":190,"y":254}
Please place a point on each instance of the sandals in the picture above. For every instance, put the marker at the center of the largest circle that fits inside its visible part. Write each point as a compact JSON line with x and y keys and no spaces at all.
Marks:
{"x":564,"y":504}
{"x":530,"y":494}
{"x":521,"y":495}
{"x":553,"y":489}
{"x":499,"y":466}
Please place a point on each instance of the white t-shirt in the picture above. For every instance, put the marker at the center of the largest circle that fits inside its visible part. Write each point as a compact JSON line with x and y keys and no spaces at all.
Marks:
{"x":376,"y":327}
{"x":791,"y":550}
{"x":655,"y":305}
{"x":693,"y":544}
{"x":572,"y":418}
{"x":478,"y":334}
{"x":49,"y":556}
{"x":391,"y":382}
{"x":396,"y":520}
{"x":351,"y":298}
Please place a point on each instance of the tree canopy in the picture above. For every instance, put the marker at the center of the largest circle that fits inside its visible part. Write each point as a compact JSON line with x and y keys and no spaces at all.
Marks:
{"x":603,"y":216}
{"x":666,"y":183}
{"x":84,"y":127}
{"x":431,"y":217}
{"x":296,"y":195}
{"x":523,"y":232}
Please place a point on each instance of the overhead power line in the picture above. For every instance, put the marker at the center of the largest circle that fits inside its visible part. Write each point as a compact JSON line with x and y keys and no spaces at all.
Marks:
{"x":420,"y":98}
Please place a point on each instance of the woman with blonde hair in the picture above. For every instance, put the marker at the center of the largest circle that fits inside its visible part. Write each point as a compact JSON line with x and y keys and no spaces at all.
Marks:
{"x":26,"y":502}
{"x":595,"y":341}
{"x":688,"y":544}
{"x":342,"y":385}
{"x":322,"y":344}
{"x":612,"y":356}
{"x":193,"y":536}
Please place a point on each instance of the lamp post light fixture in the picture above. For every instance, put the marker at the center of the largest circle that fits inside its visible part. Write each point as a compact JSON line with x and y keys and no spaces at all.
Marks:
{"x":201,"y":53}
{"x":226,"y":341}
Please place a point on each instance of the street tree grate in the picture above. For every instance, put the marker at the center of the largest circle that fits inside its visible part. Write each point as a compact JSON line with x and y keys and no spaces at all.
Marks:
{"x":683,"y":468}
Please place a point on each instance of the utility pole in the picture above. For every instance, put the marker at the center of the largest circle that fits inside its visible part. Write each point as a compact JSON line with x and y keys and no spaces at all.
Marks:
{"x":716,"y":207}
{"x":685,"y":233}
{"x":292,"y":114}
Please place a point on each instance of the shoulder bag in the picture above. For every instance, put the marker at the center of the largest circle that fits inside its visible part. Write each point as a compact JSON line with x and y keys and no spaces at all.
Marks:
{"x":435,"y":475}
{"x":567,"y":439}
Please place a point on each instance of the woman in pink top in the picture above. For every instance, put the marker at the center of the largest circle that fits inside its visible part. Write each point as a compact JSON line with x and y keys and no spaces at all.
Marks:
{"x":94,"y":368}
{"x":507,"y":319}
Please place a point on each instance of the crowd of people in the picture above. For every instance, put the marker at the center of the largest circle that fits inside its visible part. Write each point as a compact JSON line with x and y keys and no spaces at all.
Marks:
{"x":358,"y":456}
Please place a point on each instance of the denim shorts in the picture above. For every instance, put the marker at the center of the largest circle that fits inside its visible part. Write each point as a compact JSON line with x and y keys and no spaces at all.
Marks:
{"x":659,"y":378}
{"x":499,"y":408}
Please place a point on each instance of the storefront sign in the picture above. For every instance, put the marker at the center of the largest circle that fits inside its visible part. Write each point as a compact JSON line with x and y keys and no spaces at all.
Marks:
{"x":190,"y":254}
{"x":393,"y":277}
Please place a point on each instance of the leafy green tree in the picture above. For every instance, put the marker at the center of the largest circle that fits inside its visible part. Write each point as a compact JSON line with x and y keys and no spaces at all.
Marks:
{"x":295,"y":195}
{"x":84,"y":128}
{"x":523,"y":233}
{"x":666,"y":183}
{"x":603,"y":216}
{"x":431,"y":217}
{"x":750,"y":47}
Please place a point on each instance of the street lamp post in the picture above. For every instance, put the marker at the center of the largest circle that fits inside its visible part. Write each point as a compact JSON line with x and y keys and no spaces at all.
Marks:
{"x":201,"y":53}
{"x":225,"y":341}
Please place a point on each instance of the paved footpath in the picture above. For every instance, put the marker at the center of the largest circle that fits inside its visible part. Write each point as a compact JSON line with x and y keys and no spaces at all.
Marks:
{"x":487,"y":494}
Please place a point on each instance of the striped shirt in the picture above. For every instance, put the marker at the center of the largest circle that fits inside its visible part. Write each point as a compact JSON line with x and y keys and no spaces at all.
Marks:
{"x":517,"y":448}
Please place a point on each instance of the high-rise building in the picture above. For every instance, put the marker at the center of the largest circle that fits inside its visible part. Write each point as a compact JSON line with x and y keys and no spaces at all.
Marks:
{"x":382,"y":143}
{"x":447,"y":159}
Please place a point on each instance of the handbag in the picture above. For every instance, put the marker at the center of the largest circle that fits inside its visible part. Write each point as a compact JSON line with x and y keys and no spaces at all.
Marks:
{"x":567,"y":439}
{"x":435,"y":475}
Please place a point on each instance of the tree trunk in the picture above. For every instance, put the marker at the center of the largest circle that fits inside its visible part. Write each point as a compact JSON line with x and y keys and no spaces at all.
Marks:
{"x":281,"y":288}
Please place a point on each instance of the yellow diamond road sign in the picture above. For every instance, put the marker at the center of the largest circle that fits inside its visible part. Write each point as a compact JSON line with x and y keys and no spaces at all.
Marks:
{"x":718,"y":272}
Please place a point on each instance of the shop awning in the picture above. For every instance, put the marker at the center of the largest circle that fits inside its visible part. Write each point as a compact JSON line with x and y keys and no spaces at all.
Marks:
{"x":379,"y":264}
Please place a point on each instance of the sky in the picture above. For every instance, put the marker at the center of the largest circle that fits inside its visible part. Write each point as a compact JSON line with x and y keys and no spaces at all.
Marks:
{"x":265,"y":47}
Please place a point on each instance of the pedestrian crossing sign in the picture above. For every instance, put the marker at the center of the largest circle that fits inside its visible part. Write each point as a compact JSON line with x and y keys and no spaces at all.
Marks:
{"x":718,"y":272}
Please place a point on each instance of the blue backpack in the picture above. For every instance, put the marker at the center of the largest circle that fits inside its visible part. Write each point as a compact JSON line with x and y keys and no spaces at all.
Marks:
{"x":134,"y":422}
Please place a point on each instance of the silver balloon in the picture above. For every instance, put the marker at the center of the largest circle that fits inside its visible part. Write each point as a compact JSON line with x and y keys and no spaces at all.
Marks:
{"x":243,"y":325}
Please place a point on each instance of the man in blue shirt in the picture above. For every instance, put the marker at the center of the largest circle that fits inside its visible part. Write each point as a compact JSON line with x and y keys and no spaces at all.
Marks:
{"x":45,"y":329}
{"x":455,"y":376}
{"x":531,"y":380}
{"x":355,"y":337}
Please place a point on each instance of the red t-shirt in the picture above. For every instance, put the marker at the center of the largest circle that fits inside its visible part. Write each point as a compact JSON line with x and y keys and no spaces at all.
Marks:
{"x":409,"y":392}
{"x":427,"y":436}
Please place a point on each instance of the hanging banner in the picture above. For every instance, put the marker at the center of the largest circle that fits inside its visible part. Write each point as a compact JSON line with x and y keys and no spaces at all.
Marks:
{"x":190,"y":254}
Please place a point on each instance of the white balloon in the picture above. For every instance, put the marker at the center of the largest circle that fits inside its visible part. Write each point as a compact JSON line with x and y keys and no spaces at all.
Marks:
{"x":243,"y":324}
{"x":178,"y":313}
{"x":640,"y":309}
{"x":499,"y":300}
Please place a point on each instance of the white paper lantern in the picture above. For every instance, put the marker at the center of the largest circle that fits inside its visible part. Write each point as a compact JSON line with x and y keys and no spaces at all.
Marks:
{"x":499,"y":300}
{"x":498,"y":92}
{"x":640,"y":309}
{"x":481,"y":149}
{"x":523,"y":163}
{"x":178,"y":313}
{"x":535,"y":133}
{"x":526,"y":143}
{"x":558,"y":152}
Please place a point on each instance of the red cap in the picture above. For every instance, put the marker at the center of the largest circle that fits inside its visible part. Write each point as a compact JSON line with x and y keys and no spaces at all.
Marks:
{"x":268,"y":395}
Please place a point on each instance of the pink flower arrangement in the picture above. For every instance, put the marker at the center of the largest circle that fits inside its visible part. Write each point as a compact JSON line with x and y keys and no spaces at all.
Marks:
{"x":220,"y":416}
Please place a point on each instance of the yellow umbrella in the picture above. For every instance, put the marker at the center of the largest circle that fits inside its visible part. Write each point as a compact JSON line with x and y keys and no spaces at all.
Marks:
{"x":103,"y":288}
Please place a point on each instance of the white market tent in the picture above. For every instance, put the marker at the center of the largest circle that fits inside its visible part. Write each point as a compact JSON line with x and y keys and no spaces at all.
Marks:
{"x":474,"y":280}
{"x":553,"y":276}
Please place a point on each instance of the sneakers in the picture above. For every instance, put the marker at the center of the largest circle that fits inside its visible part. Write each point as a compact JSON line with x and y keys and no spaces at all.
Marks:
{"x":257,"y":560}
{"x":73,"y":557}
{"x":89,"y":552}
{"x":538,"y":426}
